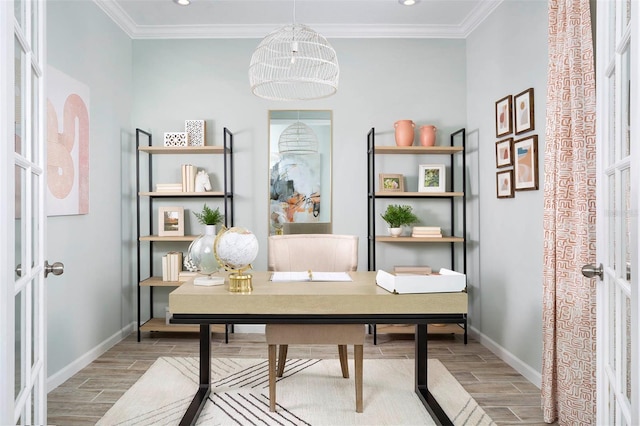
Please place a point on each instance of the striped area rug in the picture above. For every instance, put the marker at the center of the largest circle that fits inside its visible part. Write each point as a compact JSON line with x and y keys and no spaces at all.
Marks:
{"x":312,"y":392}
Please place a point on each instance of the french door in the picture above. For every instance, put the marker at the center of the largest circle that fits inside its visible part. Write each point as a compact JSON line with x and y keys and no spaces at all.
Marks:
{"x":618,"y":207}
{"x":22,"y":218}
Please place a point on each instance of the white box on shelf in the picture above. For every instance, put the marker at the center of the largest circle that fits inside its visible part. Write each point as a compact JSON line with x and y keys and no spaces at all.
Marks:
{"x":176,"y":139}
{"x":196,"y":131}
{"x":446,"y":281}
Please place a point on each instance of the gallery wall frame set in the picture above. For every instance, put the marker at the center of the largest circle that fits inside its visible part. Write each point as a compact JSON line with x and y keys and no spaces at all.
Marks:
{"x":504,"y":184}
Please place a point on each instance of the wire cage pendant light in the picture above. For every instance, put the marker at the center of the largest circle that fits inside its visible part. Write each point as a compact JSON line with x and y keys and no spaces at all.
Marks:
{"x":294,"y":63}
{"x":298,"y":137}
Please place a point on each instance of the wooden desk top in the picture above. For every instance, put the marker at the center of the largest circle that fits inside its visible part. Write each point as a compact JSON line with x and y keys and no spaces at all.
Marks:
{"x":360,"y":296}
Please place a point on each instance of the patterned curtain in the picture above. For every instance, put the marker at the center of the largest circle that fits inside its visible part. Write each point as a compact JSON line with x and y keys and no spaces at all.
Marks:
{"x":569,"y":346}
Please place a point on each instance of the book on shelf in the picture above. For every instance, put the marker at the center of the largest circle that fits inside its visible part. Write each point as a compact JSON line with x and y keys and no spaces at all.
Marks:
{"x":426,"y":231}
{"x":411,"y":270}
{"x":186,"y":275}
{"x":168,"y":187}
{"x":171,"y":266}
{"x":189,"y":177}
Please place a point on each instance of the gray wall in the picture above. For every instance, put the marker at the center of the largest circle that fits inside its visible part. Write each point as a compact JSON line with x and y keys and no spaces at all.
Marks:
{"x":90,"y":302}
{"x":506,"y":55}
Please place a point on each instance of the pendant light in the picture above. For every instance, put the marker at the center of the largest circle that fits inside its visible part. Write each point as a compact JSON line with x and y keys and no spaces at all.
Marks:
{"x":294,"y":63}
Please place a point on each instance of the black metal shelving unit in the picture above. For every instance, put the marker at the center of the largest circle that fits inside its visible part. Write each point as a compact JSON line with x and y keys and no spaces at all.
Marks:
{"x":457,"y":142}
{"x":144,"y":146}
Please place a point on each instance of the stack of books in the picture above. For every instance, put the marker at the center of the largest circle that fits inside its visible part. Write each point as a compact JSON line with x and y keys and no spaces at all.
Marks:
{"x":189,"y":177}
{"x":427,"y":232}
{"x":168,"y":187}
{"x":412,"y":270}
{"x":171,"y":266}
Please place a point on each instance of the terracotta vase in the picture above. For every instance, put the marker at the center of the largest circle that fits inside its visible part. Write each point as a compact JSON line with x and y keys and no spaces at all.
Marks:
{"x":428,"y":135}
{"x":404,"y":132}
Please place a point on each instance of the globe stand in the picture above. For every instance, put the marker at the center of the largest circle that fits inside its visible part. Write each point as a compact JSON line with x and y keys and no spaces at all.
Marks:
{"x":208,"y":280}
{"x":240,"y":283}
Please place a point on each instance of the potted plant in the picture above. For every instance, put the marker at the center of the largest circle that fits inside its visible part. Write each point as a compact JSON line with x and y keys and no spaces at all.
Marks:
{"x":208,"y":216}
{"x":398,"y":215}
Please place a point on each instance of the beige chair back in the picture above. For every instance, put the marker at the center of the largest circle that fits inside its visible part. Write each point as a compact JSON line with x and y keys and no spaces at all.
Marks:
{"x":317,"y":252}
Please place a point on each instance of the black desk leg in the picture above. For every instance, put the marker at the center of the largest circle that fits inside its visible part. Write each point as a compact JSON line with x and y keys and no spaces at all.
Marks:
{"x":200,"y":398}
{"x":432,"y":406}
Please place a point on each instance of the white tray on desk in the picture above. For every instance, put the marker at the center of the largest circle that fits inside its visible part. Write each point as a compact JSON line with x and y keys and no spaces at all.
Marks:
{"x":446,"y":281}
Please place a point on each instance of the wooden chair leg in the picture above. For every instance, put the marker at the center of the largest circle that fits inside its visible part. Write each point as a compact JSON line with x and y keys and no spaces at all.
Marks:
{"x":358,"y":355}
{"x":272,"y":378}
{"x":344,"y":360}
{"x":282,"y":359}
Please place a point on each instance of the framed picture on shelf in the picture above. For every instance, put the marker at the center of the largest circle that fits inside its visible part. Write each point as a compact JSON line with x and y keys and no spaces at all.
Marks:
{"x":431,"y":178}
{"x":171,"y":221}
{"x":523,"y":107}
{"x":504,"y":184}
{"x":504,"y":154}
{"x":504,"y":123}
{"x":525,"y":153}
{"x":391,"y":182}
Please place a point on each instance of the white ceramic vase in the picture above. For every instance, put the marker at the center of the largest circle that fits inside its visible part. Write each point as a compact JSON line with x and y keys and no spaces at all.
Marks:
{"x":395,"y":232}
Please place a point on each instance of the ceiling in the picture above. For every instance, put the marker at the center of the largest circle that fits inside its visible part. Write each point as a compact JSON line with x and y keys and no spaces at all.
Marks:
{"x":150,"y":19}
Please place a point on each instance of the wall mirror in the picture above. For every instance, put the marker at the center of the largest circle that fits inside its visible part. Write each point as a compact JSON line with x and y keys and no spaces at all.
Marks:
{"x":300,"y":172}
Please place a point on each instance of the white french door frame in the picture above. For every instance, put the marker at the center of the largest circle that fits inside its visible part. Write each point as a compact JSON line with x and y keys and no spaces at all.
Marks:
{"x":23,"y":391}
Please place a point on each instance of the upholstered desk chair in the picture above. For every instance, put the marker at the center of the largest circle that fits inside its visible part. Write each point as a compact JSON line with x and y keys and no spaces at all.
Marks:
{"x":323,"y":253}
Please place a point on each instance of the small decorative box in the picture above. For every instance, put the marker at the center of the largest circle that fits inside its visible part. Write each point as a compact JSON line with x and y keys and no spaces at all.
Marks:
{"x":195,"y":130}
{"x":176,"y":139}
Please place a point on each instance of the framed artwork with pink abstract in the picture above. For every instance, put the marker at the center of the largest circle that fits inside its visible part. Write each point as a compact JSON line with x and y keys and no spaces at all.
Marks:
{"x":504,"y":184}
{"x":504,"y":122}
{"x":525,"y":152}
{"x":504,"y":155}
{"x":523,"y":108}
{"x":68,"y":124}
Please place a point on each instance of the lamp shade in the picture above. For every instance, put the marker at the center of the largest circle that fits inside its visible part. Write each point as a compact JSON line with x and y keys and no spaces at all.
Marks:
{"x":298,"y":137}
{"x":294,"y":63}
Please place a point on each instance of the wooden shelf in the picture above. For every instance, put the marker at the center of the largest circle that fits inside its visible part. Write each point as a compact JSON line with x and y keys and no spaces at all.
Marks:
{"x":182,"y":149}
{"x":417,"y":150}
{"x":157,"y":282}
{"x":389,"y":194}
{"x":159,"y":238}
{"x":182,"y":194}
{"x":160,"y":324}
{"x":389,"y":239}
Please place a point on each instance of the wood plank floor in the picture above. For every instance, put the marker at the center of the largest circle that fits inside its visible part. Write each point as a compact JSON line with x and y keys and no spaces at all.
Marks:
{"x":505,"y":395}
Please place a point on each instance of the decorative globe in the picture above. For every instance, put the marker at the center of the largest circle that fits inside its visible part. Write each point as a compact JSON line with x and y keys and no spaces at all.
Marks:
{"x":236,"y":248}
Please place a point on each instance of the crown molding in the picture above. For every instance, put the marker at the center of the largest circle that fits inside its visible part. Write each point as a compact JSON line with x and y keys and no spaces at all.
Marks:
{"x":229,"y":31}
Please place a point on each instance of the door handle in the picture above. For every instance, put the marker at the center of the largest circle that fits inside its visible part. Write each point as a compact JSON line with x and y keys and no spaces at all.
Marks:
{"x":57,"y":268}
{"x":592,"y":270}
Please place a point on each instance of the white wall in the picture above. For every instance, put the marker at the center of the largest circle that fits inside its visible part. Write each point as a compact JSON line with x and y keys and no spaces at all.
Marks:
{"x":91,"y":301}
{"x":506,"y":55}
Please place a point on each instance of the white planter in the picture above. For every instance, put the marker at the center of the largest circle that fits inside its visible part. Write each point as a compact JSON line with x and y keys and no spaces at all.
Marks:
{"x":395,"y":232}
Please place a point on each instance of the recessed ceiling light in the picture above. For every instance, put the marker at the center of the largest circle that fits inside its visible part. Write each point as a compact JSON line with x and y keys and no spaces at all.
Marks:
{"x":408,"y":2}
{"x":182,"y":2}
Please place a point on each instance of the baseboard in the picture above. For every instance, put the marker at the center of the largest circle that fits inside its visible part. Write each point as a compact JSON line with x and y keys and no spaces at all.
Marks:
{"x":248,"y":328}
{"x":67,"y":372}
{"x":525,"y":370}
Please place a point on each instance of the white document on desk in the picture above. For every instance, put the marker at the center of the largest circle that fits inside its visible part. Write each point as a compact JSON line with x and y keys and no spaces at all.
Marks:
{"x":288,"y":276}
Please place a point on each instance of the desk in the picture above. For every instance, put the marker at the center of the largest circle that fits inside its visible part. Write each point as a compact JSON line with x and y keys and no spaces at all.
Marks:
{"x":359,"y":301}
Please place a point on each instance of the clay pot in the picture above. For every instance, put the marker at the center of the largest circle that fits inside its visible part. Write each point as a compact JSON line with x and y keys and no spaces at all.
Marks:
{"x":404,"y":132}
{"x":428,"y":135}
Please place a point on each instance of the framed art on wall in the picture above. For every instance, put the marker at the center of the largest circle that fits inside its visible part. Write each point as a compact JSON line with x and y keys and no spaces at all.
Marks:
{"x":391,"y":182}
{"x":504,"y":184}
{"x":431,"y":178}
{"x":504,"y":123}
{"x":525,"y":152}
{"x":504,"y":154}
{"x":523,"y":107}
{"x":171,"y":221}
